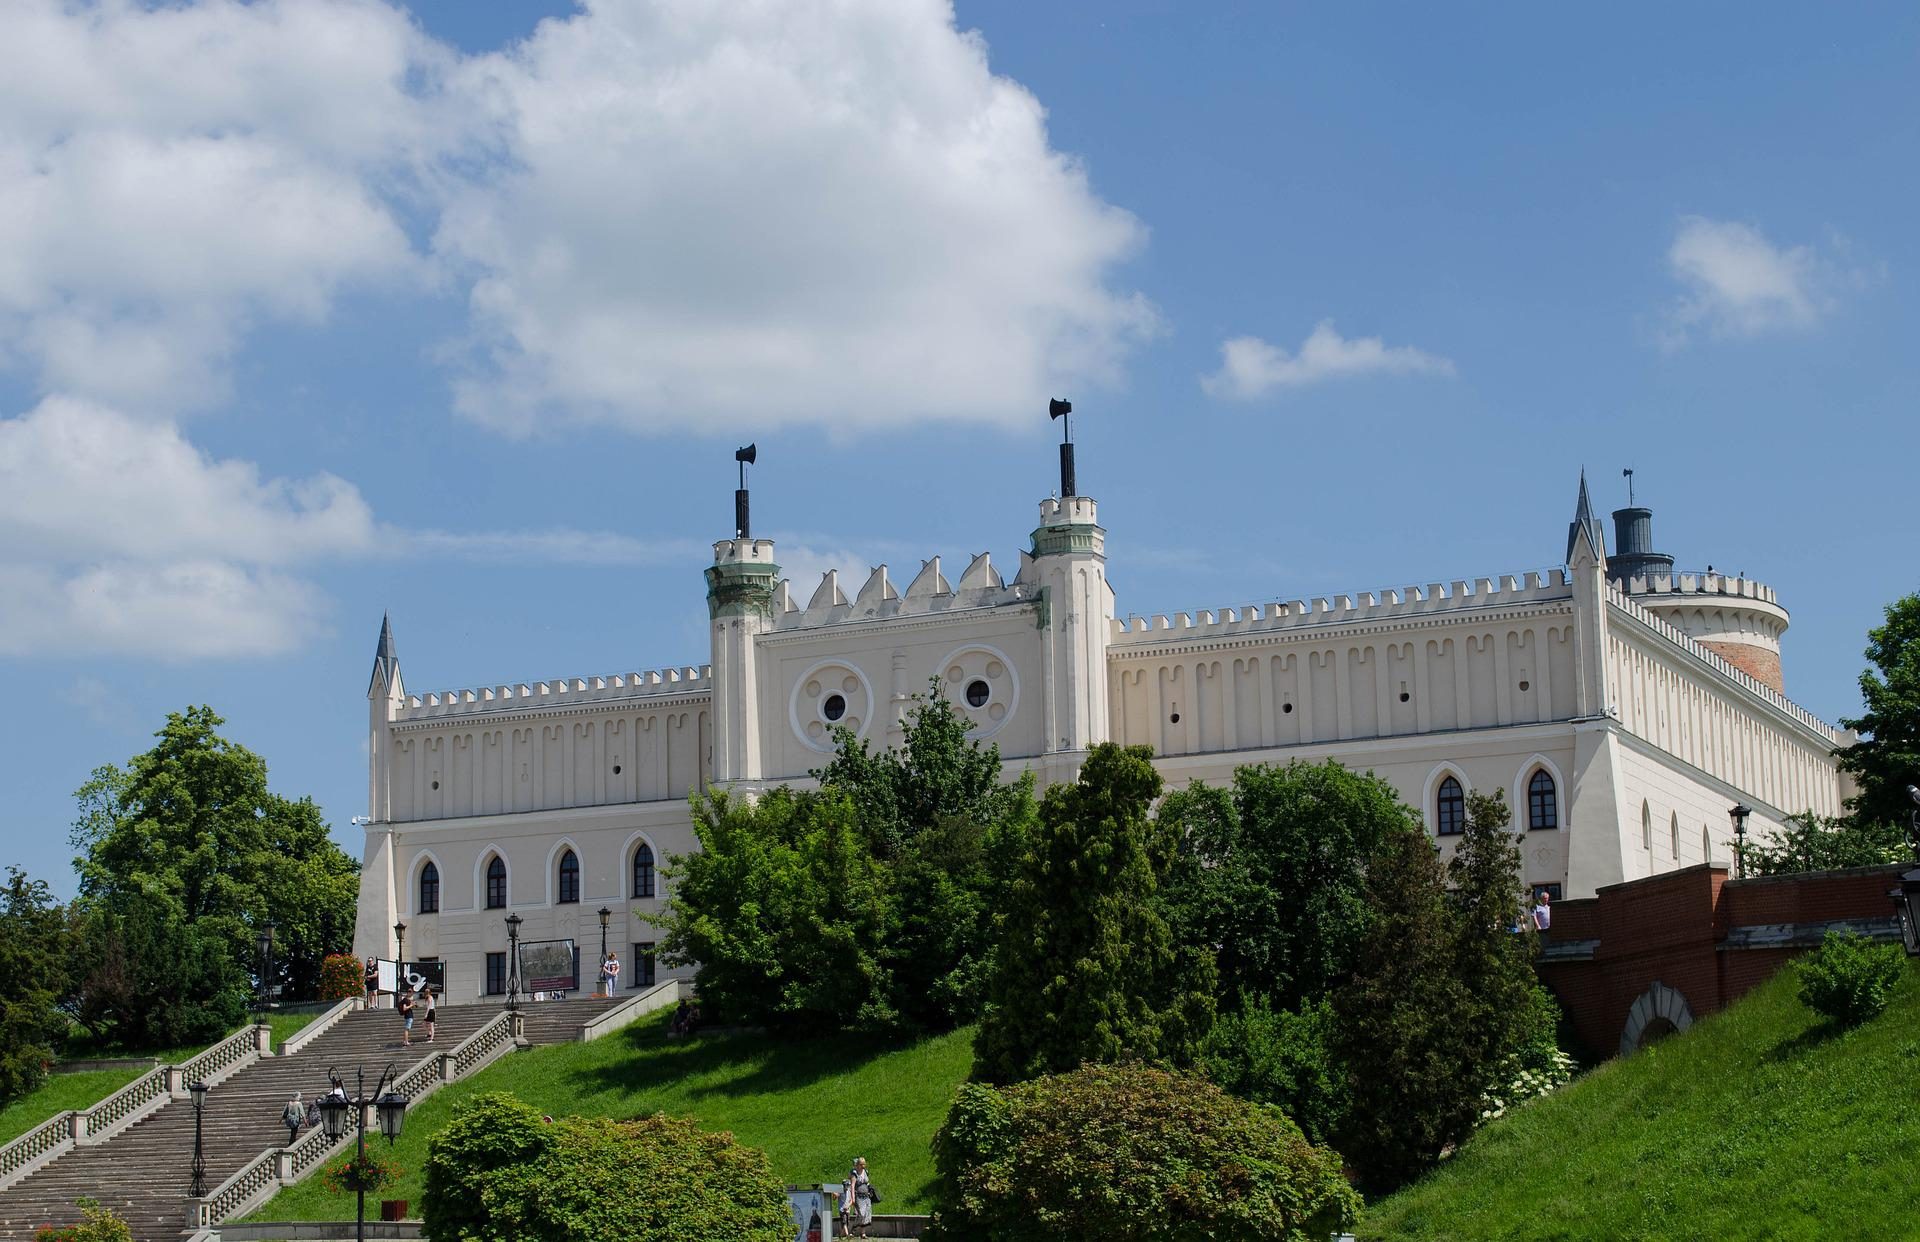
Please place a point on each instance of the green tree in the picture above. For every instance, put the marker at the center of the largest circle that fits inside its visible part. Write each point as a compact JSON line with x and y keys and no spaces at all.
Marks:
{"x":1276,"y":877}
{"x":1887,"y":760}
{"x":33,"y":977}
{"x":1283,"y":1058}
{"x":1129,"y":1152}
{"x":1087,"y":968}
{"x":1505,"y":1003}
{"x":192,"y":822}
{"x":148,"y":980}
{"x":1811,"y":842}
{"x":785,"y":910}
{"x":499,"y":1173}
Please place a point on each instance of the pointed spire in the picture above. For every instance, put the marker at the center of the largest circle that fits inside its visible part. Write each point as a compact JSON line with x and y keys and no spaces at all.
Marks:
{"x":1585,"y":526}
{"x":386,"y":658}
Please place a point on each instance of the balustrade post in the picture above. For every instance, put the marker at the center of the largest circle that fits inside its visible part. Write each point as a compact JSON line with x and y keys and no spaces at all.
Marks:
{"x":446,"y":1067}
{"x":283,"y":1166}
{"x":77,"y":1127}
{"x":176,"y":1082}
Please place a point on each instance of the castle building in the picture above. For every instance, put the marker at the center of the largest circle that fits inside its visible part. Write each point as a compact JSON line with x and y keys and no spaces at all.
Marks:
{"x":1621,"y":706}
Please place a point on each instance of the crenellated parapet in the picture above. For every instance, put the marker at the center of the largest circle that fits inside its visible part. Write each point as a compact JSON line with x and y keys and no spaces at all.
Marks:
{"x":1650,"y":613}
{"x":1402,"y":602}
{"x":1737,"y":618}
{"x":879,"y":598}
{"x":560,"y":692}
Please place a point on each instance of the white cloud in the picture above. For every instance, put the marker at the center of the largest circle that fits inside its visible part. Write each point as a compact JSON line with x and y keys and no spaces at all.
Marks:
{"x":170,"y":176}
{"x":1738,"y":284}
{"x":1250,"y":367}
{"x":776,"y":213}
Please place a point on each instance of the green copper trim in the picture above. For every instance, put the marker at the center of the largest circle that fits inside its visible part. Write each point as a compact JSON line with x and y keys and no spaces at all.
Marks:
{"x":1078,"y":538}
{"x":737,"y":590}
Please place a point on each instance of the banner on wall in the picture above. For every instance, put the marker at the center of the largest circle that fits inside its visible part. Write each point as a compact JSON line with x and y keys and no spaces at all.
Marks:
{"x":548,"y":966}
{"x":431,"y":974}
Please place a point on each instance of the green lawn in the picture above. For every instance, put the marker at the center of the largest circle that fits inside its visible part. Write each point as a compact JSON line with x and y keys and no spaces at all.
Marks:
{"x":62,"y":1092}
{"x":1761,"y":1122}
{"x":812,"y":1105}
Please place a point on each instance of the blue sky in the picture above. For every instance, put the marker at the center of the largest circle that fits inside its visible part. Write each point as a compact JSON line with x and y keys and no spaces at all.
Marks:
{"x":318,"y":308}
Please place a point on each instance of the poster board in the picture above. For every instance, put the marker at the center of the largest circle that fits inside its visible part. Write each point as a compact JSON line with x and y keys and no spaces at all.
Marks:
{"x":547,"y":966}
{"x":389,"y":975}
{"x":433,"y":974}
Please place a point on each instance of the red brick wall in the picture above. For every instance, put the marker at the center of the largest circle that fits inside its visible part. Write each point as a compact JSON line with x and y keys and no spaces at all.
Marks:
{"x":1756,"y":662}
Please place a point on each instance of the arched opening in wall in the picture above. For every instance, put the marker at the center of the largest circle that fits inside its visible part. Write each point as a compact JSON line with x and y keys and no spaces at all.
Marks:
{"x":1449,"y":808}
{"x":1658,"y":1012}
{"x":496,"y":883}
{"x":1656,"y":1030}
{"x":429,"y":902}
{"x":1646,"y":827}
{"x":1676,"y":836}
{"x":643,"y":875}
{"x":1543,"y":802}
{"x":569,"y":879}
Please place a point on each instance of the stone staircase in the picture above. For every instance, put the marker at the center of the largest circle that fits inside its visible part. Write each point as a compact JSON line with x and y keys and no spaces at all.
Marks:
{"x":144,"y":1171}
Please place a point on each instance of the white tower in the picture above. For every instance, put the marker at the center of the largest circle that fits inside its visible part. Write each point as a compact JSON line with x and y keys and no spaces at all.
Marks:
{"x":378,"y":907}
{"x":740,"y":609}
{"x":1596,"y":839}
{"x":1076,"y":614}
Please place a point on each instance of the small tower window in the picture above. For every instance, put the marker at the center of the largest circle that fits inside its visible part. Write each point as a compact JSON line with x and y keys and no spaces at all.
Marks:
{"x":643,"y":870}
{"x":569,"y":878}
{"x":834,"y":707}
{"x":1543,"y":803}
{"x":429,"y":889}
{"x":1450,"y":809}
{"x":1646,"y":827}
{"x":1676,"y":836}
{"x":496,"y":884}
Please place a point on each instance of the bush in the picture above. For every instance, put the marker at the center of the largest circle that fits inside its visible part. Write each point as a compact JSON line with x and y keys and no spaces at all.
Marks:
{"x":1274,"y":1056}
{"x":1849,"y":978}
{"x":97,"y":1224}
{"x":499,"y":1173}
{"x":1128,"y":1151}
{"x":341,"y":977}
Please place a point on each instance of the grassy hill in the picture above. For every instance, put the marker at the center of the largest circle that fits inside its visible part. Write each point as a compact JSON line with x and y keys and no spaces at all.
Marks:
{"x":1760,"y":1122}
{"x":812,"y":1105}
{"x":85,"y":1089}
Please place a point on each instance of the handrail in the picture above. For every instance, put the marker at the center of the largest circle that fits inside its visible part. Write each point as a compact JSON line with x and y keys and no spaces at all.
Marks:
{"x":318,"y":1027}
{"x":230,"y":1053}
{"x":45,"y":1141}
{"x":659,"y":996}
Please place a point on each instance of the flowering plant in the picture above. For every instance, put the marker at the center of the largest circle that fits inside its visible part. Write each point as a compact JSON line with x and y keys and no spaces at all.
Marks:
{"x":364,"y":1172}
{"x":1524,"y":1077}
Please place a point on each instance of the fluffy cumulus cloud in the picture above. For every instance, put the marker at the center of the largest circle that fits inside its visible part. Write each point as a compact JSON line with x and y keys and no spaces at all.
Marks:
{"x":1250,"y":367}
{"x":1736,"y":283}
{"x":776,"y":212}
{"x":170,"y":176}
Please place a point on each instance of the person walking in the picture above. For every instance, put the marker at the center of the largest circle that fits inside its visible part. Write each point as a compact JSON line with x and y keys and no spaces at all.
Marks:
{"x":857,"y":1198}
{"x":431,"y":1003}
{"x":292,"y":1116}
{"x":404,"y":1003}
{"x":373,"y":983}
{"x":610,"y":973}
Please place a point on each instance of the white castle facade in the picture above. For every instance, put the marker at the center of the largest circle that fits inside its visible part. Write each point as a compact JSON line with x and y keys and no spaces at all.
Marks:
{"x":1622,"y":707}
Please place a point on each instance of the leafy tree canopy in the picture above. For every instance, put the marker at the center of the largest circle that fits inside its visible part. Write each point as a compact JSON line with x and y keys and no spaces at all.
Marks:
{"x":1888,"y":759}
{"x":34,"y":950}
{"x":192,"y":823}
{"x":1087,"y":968}
{"x":1276,"y":873}
{"x":1812,"y":842}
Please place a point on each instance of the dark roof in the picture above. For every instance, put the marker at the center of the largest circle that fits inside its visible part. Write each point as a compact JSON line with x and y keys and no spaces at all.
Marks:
{"x":1585,"y":525}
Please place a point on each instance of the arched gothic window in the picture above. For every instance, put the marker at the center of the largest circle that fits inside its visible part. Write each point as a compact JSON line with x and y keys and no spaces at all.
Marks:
{"x":1543,"y":803}
{"x":429,"y":889}
{"x":1676,"y":835}
{"x":1706,"y":843}
{"x":1450,"y":809}
{"x":1646,"y":827}
{"x":569,"y":878}
{"x":496,"y":883}
{"x":643,"y":870}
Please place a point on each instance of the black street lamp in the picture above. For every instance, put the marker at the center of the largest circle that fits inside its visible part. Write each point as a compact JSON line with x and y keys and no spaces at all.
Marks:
{"x":390,"y":1107}
{"x":606,"y":984}
{"x":198,"y":1089}
{"x":400,"y":953}
{"x":1738,"y":813}
{"x":1906,"y":894}
{"x":263,"y":940}
{"x":513,"y":963}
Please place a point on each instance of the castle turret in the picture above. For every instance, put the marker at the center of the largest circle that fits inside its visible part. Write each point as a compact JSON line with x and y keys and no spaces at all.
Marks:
{"x":378,"y":906}
{"x":1736,"y":618}
{"x":1070,"y":563}
{"x":740,"y":586}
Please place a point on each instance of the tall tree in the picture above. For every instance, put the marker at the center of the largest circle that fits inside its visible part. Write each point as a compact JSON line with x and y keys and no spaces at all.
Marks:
{"x":33,"y":977}
{"x":1492,"y":961}
{"x":1887,"y":760}
{"x":1276,"y":875}
{"x":193,"y":823}
{"x":1087,"y":968}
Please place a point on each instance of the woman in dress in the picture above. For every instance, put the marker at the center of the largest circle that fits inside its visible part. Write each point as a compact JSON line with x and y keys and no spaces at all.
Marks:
{"x":856,"y":1198}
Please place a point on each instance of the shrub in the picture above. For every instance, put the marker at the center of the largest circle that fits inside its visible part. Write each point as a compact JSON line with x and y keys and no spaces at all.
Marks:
{"x":341,"y":977}
{"x":1849,"y":978}
{"x":1129,"y":1151}
{"x":97,"y":1224}
{"x":499,"y":1173}
{"x":1274,"y":1056}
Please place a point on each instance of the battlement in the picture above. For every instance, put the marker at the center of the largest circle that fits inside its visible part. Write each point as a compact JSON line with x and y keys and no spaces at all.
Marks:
{"x":1411,"y":601}
{"x":1680,"y":639}
{"x":980,"y":586}
{"x":1701,"y":584}
{"x":564,"y":692}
